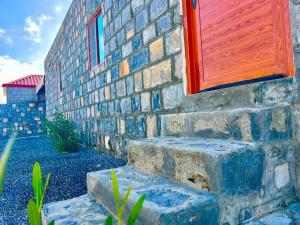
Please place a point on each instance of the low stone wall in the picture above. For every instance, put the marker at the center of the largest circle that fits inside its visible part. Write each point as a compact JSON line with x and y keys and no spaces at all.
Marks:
{"x":25,"y":118}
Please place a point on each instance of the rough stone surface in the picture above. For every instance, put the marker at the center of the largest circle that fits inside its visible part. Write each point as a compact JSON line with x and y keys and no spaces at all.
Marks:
{"x":284,"y":216}
{"x":217,"y":166}
{"x":166,"y":202}
{"x":80,"y":210}
{"x":265,"y":124}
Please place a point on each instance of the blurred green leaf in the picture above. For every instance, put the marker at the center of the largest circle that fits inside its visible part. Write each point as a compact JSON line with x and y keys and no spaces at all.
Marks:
{"x":109,"y":221}
{"x":116,"y":193}
{"x":51,"y":223}
{"x":136,"y":210}
{"x":37,"y":183}
{"x":4,"y":159}
{"x":125,"y":199}
{"x":33,"y":213}
{"x":44,"y":192}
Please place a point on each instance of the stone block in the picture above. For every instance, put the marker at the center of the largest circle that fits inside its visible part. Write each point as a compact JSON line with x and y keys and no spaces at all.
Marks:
{"x":137,"y":5}
{"x":166,"y":202}
{"x":107,"y":93}
{"x":139,"y":59}
{"x":124,"y":68}
{"x":282,"y":175}
{"x":164,"y":24}
{"x":157,"y":74}
{"x":242,"y":124}
{"x":137,"y":42}
{"x":142,"y":20}
{"x":151,"y":126}
{"x":136,"y":103}
{"x":145,"y":102}
{"x":156,"y":102}
{"x":77,"y":210}
{"x":218,"y":166}
{"x":127,"y":49}
{"x":129,"y":85}
{"x":126,"y":15}
{"x":173,"y":42}
{"x":121,"y":88}
{"x":138,"y":83}
{"x":126,"y":106}
{"x":156,"y":50}
{"x":157,"y":8}
{"x":172,"y":96}
{"x":149,"y":33}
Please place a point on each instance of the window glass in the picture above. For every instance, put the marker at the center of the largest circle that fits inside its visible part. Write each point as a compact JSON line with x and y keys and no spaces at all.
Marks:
{"x":101,"y":52}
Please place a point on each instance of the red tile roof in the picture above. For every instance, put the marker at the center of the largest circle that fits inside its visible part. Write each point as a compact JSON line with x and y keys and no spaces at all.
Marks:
{"x":30,"y":81}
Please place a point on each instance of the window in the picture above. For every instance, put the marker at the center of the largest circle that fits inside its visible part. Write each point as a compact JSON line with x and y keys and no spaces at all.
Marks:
{"x":58,"y":78}
{"x":96,"y":39}
{"x":232,"y":41}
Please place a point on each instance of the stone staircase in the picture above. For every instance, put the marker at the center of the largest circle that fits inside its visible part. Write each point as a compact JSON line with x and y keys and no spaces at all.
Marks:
{"x":207,"y":168}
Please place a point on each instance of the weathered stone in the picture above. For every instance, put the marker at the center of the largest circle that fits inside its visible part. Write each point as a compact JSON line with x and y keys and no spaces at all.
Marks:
{"x":151,"y":126}
{"x":124,"y":68}
{"x":121,"y":87}
{"x":129,"y":85}
{"x":138,"y":82}
{"x":243,"y":124}
{"x":173,"y":42}
{"x":142,"y":20}
{"x":137,"y":42}
{"x":282,"y":175}
{"x":145,"y":102}
{"x":157,"y":8}
{"x":138,"y":60}
{"x":276,"y":219}
{"x":172,"y":96}
{"x":77,"y":210}
{"x":215,"y":165}
{"x":127,"y":49}
{"x":157,"y":74}
{"x":164,"y":24}
{"x":156,"y":50}
{"x":165,"y":201}
{"x":149,"y":33}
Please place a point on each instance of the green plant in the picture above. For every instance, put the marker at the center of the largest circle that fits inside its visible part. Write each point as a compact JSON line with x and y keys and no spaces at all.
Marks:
{"x":4,"y":159}
{"x":35,"y":206}
{"x":61,"y":131}
{"x":121,"y":205}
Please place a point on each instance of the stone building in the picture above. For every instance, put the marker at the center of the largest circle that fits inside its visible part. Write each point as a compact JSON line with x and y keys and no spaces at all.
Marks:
{"x":205,"y":94}
{"x":25,"y":89}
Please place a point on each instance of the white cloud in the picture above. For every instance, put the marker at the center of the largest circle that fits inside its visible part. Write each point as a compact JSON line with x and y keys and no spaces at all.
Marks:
{"x":5,"y":37}
{"x":58,"y":8}
{"x":33,"y":27}
{"x":12,"y":69}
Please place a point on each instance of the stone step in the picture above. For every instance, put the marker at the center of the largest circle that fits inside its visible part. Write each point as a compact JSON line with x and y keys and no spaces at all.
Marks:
{"x":79,"y":211}
{"x":219,"y":166}
{"x":166,"y":203}
{"x":248,"y":124}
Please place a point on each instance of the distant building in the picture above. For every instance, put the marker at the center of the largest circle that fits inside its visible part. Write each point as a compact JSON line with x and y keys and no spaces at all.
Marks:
{"x":27,"y":89}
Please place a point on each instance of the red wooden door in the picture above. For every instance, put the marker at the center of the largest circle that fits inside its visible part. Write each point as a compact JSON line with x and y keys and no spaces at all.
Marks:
{"x":228,"y":41}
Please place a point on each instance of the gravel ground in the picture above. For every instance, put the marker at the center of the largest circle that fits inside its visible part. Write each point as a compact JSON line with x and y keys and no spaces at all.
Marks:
{"x":68,"y":178}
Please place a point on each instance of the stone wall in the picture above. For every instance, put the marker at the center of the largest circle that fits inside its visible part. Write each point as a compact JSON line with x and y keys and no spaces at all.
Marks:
{"x":18,"y":94}
{"x":141,"y":78}
{"x":27,"y":119}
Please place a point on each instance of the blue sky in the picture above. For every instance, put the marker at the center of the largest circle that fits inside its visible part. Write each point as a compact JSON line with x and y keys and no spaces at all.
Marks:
{"x":27,"y":30}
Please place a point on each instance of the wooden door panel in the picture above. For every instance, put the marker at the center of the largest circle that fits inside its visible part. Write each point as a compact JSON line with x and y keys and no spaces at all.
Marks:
{"x":239,"y":40}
